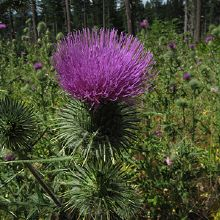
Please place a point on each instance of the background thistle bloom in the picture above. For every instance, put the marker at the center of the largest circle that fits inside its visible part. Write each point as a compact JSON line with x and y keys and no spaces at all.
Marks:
{"x":186,"y":76}
{"x":100,"y":66}
{"x":2,"y":26}
{"x":144,"y":24}
{"x":9,"y":157}
{"x":209,"y":38}
{"x":38,"y":65}
{"x":192,"y":46}
{"x":171,"y":45}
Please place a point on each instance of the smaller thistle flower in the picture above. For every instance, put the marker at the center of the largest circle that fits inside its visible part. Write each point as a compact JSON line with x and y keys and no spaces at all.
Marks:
{"x":38,"y":66}
{"x":158,"y":133}
{"x":192,"y":46}
{"x":168,"y":161}
{"x":209,"y":38}
{"x":187,"y":76}
{"x":9,"y":157}
{"x":3,"y":26}
{"x":171,"y":45}
{"x":144,"y":24}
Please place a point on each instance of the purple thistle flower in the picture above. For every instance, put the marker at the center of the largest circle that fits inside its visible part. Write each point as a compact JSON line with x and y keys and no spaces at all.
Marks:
{"x":2,"y":26}
{"x":101,"y":66}
{"x":171,"y":45}
{"x":187,"y":76}
{"x":38,"y":65}
{"x":158,"y":133}
{"x":192,"y":46}
{"x":144,"y":24}
{"x":9,"y":157}
{"x":168,"y":161}
{"x":209,"y":38}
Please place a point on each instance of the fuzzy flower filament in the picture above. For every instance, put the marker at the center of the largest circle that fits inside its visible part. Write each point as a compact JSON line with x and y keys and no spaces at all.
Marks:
{"x":101,"y":66}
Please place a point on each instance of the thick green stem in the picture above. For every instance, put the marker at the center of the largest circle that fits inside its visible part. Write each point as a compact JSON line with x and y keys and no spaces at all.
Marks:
{"x":184,"y":124}
{"x":193,"y":117}
{"x":46,"y":188}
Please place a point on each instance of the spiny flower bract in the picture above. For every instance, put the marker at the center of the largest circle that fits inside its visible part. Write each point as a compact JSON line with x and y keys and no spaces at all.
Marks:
{"x":105,"y":132}
{"x":100,"y":66}
{"x":101,"y":191}
{"x":17,"y":125}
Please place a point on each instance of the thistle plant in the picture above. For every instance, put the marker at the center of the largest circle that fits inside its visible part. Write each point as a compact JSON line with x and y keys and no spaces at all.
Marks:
{"x":101,"y":191}
{"x":104,"y":72}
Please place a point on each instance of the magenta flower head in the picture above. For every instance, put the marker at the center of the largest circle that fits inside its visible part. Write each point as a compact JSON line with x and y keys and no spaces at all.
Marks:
{"x":102,"y":66}
{"x":2,"y":26}
{"x":9,"y":157}
{"x":144,"y":24}
{"x":38,"y":65}
{"x":171,"y":45}
{"x":168,"y":161}
{"x":209,"y":38}
{"x":192,"y":46}
{"x":187,"y":76}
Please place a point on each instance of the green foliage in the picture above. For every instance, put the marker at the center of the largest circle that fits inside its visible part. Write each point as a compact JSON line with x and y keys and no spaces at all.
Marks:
{"x":186,"y":188}
{"x":178,"y":160}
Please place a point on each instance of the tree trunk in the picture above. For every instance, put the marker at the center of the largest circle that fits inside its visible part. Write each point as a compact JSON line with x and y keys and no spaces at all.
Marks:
{"x":84,"y":13}
{"x":198,"y":21}
{"x":186,"y":16}
{"x":129,"y":18}
{"x":34,"y":19}
{"x":211,"y":12}
{"x":108,"y":23}
{"x":193,"y":18}
{"x":103,"y":13}
{"x":68,"y":16}
{"x":11,"y":20}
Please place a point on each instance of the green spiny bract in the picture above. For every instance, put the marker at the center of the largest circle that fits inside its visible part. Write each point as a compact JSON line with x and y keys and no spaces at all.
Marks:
{"x":17,"y":125}
{"x":101,"y":191}
{"x":104,"y":131}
